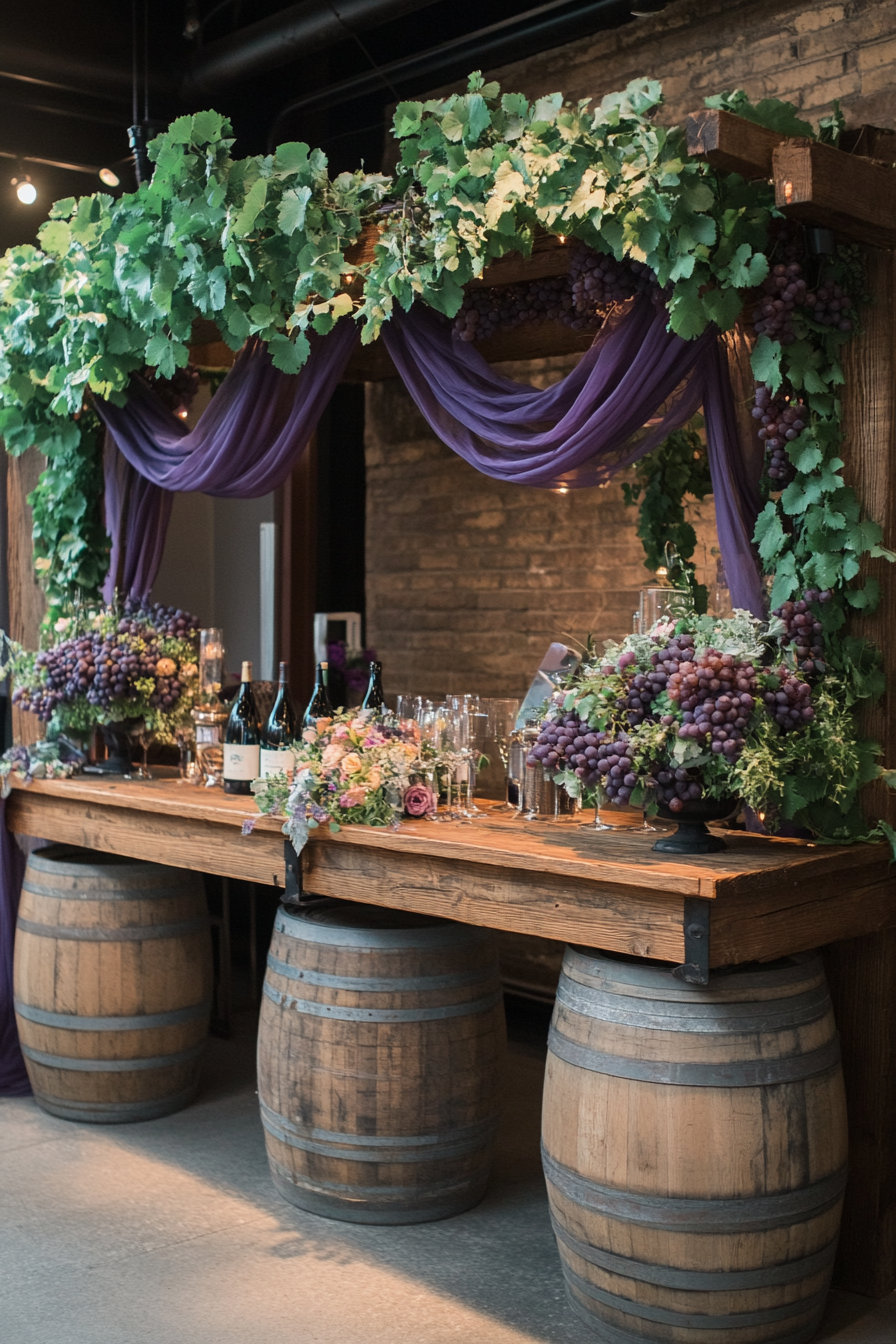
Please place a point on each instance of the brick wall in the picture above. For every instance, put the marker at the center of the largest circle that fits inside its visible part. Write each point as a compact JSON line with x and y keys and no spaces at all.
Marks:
{"x":808,"y":54}
{"x":469,"y":579}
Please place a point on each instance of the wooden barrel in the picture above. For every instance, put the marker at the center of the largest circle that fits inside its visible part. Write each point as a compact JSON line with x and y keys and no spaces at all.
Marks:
{"x":380,"y":1047}
{"x":112,"y":983}
{"x":694,"y":1145}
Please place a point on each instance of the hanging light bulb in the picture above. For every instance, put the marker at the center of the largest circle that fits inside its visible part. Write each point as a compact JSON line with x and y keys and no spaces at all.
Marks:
{"x":25,"y":189}
{"x":108,"y":178}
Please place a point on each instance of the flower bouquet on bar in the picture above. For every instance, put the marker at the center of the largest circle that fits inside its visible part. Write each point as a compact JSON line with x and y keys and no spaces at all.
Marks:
{"x":130,"y":669}
{"x":352,"y":769}
{"x":698,"y":715}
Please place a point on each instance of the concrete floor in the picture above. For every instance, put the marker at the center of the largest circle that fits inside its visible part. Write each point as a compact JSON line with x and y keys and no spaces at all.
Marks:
{"x":171,"y":1233}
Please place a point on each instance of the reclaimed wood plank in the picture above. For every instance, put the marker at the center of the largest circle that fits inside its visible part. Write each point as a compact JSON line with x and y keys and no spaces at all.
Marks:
{"x":730,"y":143}
{"x":849,"y":194}
{"x":549,"y":905}
{"x":203,"y":846}
{"x":27,"y":603}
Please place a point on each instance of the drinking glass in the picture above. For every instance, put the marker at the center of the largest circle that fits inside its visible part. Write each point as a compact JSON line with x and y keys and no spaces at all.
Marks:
{"x":502,"y":715}
{"x":430,"y":720}
{"x":470,"y":731}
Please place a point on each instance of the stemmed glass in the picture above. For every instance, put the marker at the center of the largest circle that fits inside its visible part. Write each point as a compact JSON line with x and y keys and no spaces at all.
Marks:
{"x":469,"y":729}
{"x":143,"y":736}
{"x":431,"y":722}
{"x":502,"y":715}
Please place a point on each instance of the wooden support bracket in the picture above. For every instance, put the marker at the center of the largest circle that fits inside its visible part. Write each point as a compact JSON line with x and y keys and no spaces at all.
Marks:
{"x":852,"y":195}
{"x":730,"y":143}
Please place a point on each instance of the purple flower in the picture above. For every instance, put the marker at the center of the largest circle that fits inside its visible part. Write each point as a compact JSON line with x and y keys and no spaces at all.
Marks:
{"x":419,"y":800}
{"x":249,"y":825}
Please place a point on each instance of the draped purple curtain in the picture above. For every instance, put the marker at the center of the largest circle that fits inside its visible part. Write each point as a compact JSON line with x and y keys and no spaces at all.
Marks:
{"x":245,"y":445}
{"x":13,"y":1078}
{"x":636,"y":384}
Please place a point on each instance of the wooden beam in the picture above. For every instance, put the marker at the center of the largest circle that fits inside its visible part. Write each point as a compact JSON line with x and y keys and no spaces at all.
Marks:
{"x":731,"y":143}
{"x":27,"y":603}
{"x":851,"y":195}
{"x":870,"y":142}
{"x":862,"y":971}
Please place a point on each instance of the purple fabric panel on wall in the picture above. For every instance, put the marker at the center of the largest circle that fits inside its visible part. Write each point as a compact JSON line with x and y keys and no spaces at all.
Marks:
{"x":574,"y":433}
{"x":246,"y":443}
{"x":253,"y":432}
{"x":735,"y":486}
{"x":13,"y":1078}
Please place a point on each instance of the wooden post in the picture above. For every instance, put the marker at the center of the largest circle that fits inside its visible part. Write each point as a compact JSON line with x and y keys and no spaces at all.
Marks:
{"x":26,"y":599}
{"x":862,"y":972}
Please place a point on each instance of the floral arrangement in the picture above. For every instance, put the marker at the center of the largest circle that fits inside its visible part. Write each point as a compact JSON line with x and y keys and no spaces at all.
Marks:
{"x":108,"y":664}
{"x":351,"y":769}
{"x":719,"y":709}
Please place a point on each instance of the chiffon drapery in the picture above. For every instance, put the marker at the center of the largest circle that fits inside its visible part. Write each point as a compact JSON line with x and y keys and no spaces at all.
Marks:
{"x":635,"y":385}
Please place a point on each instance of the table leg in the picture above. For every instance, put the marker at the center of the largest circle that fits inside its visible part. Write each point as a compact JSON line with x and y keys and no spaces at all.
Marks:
{"x":862,"y":976}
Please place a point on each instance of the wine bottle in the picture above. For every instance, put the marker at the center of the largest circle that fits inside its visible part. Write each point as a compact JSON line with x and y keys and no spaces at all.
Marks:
{"x":319,"y":706}
{"x":280,"y":731}
{"x":241,"y":746}
{"x":374,"y":699}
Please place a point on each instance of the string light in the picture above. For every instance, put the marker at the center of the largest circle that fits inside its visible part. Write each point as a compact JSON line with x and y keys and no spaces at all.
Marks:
{"x":25,"y":189}
{"x":108,"y":178}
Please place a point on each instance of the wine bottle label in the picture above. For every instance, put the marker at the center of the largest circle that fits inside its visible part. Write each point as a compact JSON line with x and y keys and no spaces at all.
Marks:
{"x":281,"y":761}
{"x":240,"y":762}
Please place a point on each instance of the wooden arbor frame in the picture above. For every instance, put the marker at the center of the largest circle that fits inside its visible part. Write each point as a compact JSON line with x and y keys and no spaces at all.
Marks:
{"x":851,"y":191}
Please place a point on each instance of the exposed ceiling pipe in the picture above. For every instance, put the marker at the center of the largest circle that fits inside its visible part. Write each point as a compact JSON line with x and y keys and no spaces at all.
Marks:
{"x":293,"y":34}
{"x":541,"y":23}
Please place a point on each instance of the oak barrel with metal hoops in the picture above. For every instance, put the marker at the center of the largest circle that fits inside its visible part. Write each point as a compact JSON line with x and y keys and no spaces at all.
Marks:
{"x":380,"y":1047}
{"x":112,"y":983}
{"x":694,"y":1146}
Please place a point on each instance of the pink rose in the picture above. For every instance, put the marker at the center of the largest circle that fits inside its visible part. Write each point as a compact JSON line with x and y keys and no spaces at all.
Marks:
{"x":353,"y":797}
{"x":419,"y":800}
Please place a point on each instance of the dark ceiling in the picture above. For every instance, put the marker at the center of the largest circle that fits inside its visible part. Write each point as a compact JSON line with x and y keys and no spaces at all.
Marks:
{"x":322,"y":71}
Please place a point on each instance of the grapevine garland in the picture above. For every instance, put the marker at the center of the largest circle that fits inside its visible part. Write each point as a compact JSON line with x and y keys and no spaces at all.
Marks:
{"x":262,"y":246}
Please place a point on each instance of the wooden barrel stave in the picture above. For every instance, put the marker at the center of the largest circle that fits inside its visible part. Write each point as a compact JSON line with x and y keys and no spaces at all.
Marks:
{"x":113,"y":985}
{"x":689,"y":1207}
{"x":379,"y":1102}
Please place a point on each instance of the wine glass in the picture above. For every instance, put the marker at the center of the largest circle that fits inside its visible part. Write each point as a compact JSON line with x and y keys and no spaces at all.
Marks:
{"x":143,"y":736}
{"x":430,"y":720}
{"x":502,"y":715}
{"x":469,"y":727}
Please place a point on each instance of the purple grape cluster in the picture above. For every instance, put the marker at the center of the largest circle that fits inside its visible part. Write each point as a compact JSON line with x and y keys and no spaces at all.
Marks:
{"x":642,"y":688}
{"x":783,"y":417}
{"x":616,"y":769}
{"x":716,"y":695}
{"x":594,"y":281}
{"x":106,"y":668}
{"x":782,"y":290}
{"x":803,"y":631}
{"x":566,"y":742}
{"x":499,"y":308}
{"x":675,"y":788}
{"x":177,"y":392}
{"x":167,"y":622}
{"x":830,"y":306}
{"x":790,"y":702}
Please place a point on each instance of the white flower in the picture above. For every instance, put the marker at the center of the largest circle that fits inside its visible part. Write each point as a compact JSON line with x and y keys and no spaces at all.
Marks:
{"x":62,"y":624}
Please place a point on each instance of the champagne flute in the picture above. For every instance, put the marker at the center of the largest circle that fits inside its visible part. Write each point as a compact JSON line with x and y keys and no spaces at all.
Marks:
{"x":502,"y":715}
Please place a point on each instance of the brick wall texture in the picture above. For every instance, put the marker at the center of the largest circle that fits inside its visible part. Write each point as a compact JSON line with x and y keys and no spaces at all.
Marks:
{"x":470,"y":579}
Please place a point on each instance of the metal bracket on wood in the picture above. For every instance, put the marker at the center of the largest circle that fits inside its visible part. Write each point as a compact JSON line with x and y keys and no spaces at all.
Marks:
{"x":695,"y":969}
{"x":295,"y":897}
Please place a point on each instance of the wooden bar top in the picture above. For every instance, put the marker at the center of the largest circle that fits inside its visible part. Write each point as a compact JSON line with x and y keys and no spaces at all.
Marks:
{"x":559,"y":880}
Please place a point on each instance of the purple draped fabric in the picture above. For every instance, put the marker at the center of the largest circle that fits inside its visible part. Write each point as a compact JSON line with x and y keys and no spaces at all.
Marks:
{"x":245,"y":445}
{"x":636,"y":384}
{"x":13,"y":1078}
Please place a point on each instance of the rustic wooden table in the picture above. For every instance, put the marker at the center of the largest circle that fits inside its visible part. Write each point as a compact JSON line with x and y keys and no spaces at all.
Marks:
{"x":757,"y":900}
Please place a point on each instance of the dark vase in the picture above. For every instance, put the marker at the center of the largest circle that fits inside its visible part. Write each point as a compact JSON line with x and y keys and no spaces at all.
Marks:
{"x":121,"y":739}
{"x":692,"y":837}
